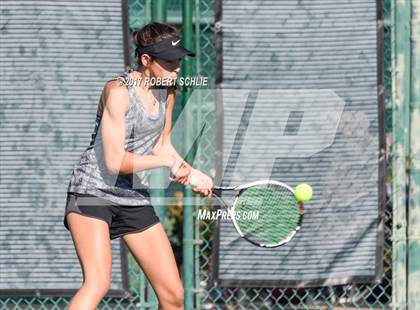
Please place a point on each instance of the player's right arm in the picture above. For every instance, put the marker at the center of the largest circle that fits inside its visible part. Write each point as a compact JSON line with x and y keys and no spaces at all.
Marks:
{"x":115,"y":105}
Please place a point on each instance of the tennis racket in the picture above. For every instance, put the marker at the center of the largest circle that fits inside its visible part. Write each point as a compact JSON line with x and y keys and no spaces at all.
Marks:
{"x":280,"y":214}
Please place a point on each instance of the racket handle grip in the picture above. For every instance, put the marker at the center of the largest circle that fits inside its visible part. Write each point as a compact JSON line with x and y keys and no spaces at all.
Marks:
{"x":194,"y":181}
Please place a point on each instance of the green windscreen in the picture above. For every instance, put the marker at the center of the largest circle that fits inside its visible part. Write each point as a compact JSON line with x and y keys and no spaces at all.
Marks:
{"x":56,"y":58}
{"x":300,"y":91}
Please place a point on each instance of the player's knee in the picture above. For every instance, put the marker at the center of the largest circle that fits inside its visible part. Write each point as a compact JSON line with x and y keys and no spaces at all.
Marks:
{"x":97,"y":289}
{"x":174,"y":297}
{"x":99,"y":285}
{"x":178,"y":296}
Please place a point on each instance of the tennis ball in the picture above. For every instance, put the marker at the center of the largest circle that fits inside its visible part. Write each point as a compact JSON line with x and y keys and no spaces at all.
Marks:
{"x":303,"y":192}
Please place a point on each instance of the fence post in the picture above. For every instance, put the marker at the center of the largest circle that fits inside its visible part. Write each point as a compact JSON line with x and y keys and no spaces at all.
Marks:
{"x":413,"y":289}
{"x":159,"y":14}
{"x":400,"y":148}
{"x":159,"y":10}
{"x":187,"y":244}
{"x":197,"y":62}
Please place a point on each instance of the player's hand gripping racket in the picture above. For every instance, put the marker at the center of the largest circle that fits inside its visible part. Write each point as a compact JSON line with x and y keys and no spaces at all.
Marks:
{"x":280,"y":210}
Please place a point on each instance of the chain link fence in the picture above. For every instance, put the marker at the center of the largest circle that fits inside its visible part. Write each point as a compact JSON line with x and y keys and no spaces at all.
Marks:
{"x":207,"y":296}
{"x":352,"y":296}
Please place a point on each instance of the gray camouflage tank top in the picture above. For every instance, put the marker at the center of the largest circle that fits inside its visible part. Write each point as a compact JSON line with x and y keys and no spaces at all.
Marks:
{"x":142,"y":130}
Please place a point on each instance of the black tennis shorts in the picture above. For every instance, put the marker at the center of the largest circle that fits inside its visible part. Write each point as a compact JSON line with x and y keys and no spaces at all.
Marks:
{"x":121,"y":219}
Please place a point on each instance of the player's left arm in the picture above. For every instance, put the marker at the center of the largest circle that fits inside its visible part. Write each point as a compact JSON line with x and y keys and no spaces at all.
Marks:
{"x":164,"y":143}
{"x":164,"y":146}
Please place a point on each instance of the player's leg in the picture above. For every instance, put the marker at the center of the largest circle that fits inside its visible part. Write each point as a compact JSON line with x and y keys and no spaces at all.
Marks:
{"x":153,"y":252}
{"x":91,"y":240}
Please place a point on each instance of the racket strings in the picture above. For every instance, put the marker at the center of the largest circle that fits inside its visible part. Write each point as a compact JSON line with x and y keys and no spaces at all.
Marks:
{"x":278,"y":213}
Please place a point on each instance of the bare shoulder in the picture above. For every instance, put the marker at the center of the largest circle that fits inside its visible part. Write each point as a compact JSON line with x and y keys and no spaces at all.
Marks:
{"x":115,"y":96}
{"x":116,"y":86}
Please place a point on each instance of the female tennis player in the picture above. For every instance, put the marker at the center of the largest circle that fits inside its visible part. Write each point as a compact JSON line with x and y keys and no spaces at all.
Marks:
{"x":108,"y":195}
